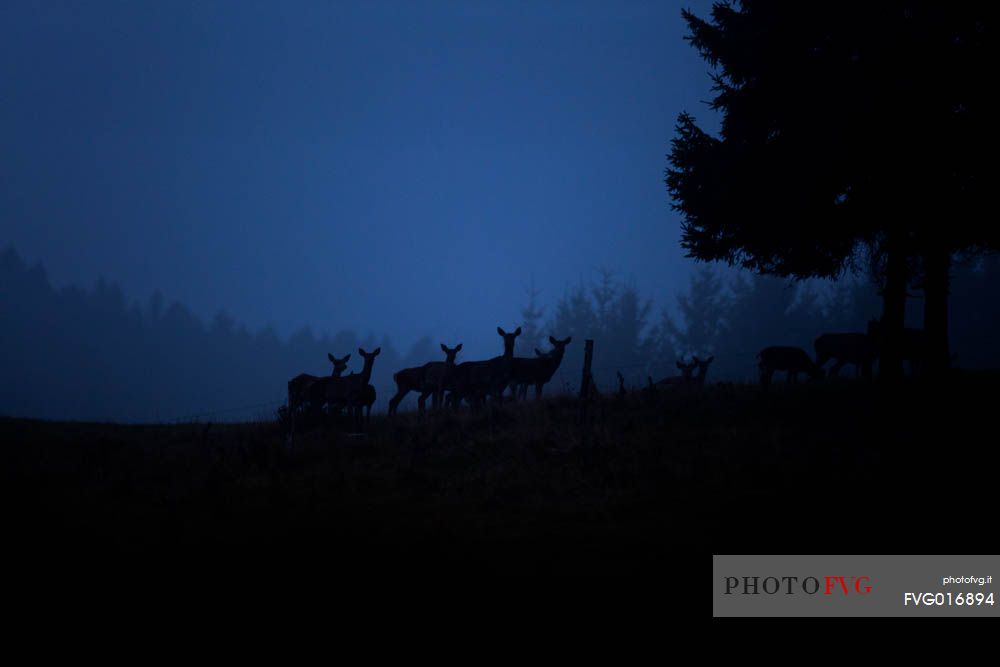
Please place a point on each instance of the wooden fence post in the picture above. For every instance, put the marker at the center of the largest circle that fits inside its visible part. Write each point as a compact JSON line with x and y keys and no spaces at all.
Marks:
{"x":588,"y":357}
{"x":586,"y":380}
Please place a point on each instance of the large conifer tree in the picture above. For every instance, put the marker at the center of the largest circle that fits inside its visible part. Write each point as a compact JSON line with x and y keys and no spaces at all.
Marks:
{"x":844,"y":125}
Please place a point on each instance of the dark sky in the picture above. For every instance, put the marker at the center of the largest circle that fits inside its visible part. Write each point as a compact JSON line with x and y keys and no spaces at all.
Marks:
{"x":396,"y":167}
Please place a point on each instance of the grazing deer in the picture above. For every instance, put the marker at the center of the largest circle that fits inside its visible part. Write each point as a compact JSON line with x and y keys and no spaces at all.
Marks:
{"x":427,"y":379}
{"x":914,"y":344}
{"x":350,"y":391}
{"x":846,"y":348}
{"x":536,"y":371}
{"x":475,"y":380}
{"x":791,"y":360}
{"x":298,"y":386}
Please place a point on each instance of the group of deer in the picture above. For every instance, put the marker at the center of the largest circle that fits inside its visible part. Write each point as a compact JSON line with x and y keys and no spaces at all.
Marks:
{"x":475,"y":381}
{"x":353,"y":392}
{"x":858,"y":349}
{"x":471,"y":381}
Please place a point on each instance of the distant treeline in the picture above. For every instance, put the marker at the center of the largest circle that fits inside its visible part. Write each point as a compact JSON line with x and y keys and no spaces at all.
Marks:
{"x":732,"y":316}
{"x":92,"y":355}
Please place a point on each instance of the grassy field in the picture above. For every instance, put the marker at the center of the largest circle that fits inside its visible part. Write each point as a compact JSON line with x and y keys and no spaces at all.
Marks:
{"x":525,"y":488}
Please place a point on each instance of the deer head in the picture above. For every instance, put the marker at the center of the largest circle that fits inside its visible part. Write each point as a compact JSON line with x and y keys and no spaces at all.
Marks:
{"x":702,"y":365}
{"x":450,"y":352}
{"x":686,"y":369}
{"x":339,"y":365}
{"x":508,"y":341}
{"x":559,"y":346}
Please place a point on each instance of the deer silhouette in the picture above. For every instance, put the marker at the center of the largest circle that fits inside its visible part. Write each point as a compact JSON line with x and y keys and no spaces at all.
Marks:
{"x":683,"y":380}
{"x":364,"y":403}
{"x":846,"y":348}
{"x":429,"y":379}
{"x":537,"y":371}
{"x":702,"y":367}
{"x":473,"y":381}
{"x":298,"y":386}
{"x":350,"y":391}
{"x":791,"y":360}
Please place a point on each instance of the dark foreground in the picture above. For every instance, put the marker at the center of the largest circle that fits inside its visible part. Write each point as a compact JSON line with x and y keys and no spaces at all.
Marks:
{"x":651,"y":484}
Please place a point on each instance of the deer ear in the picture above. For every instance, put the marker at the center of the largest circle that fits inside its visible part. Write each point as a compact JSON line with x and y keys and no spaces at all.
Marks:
{"x":518,"y":332}
{"x":346,"y":358}
{"x":332,"y":359}
{"x":444,"y":348}
{"x":539,"y":352}
{"x":501,"y":331}
{"x":362,"y":352}
{"x":458,"y":347}
{"x":552,"y":339}
{"x":377,"y":350}
{"x":568,"y":339}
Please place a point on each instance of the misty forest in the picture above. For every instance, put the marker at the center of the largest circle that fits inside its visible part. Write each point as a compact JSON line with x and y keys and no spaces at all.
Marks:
{"x":828,"y":332}
{"x":102,"y":351}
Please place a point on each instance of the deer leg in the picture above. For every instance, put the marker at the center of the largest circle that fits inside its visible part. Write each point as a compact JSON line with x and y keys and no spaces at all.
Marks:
{"x":422,"y":402}
{"x":394,"y":401}
{"x":538,"y":390}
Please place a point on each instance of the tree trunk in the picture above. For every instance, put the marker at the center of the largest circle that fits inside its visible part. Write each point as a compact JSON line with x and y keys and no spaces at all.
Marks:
{"x":937,"y":283}
{"x":890,"y":365}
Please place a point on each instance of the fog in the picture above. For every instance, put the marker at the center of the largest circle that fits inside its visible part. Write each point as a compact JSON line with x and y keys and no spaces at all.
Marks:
{"x":200,"y":201}
{"x":92,"y":354}
{"x":385,"y":166}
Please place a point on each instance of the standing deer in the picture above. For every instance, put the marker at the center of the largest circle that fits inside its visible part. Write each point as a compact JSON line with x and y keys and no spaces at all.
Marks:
{"x":791,"y":360}
{"x":526,"y":371}
{"x":846,"y":348}
{"x":427,"y":379}
{"x":350,"y":391}
{"x":475,"y":380}
{"x":438,"y":378}
{"x":298,"y":386}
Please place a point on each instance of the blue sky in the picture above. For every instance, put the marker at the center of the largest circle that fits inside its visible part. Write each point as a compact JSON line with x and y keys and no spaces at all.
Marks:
{"x":396,"y":167}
